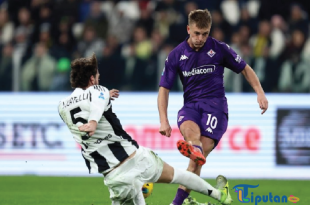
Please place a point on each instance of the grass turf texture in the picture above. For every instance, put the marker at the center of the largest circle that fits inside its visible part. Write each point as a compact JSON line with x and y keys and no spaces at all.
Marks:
{"x":35,"y":190}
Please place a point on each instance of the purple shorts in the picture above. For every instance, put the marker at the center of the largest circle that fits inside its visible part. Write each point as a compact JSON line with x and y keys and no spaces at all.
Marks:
{"x":210,"y":115}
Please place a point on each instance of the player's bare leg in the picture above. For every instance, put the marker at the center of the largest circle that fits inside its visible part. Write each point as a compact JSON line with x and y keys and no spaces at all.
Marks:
{"x":191,"y":132}
{"x":207,"y":146}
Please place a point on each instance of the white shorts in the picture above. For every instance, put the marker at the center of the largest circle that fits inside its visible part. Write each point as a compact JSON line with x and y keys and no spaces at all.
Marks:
{"x":125,"y":182}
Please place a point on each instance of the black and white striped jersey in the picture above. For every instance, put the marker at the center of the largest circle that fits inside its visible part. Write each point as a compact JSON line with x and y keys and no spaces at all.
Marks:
{"x":110,"y":144}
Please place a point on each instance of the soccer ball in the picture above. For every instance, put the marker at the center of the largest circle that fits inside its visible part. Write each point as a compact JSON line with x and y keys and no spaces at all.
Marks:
{"x":147,"y":189}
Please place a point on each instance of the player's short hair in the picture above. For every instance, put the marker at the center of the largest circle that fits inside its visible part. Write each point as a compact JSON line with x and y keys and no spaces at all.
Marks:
{"x":202,"y":18}
{"x":81,"y":70}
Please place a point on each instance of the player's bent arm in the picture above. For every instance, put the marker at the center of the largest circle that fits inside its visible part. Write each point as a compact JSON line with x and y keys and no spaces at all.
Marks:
{"x":162,"y":103}
{"x":251,"y":77}
{"x":98,"y":104}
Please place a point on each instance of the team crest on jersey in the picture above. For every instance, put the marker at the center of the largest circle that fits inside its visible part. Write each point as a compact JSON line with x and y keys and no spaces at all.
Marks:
{"x":180,"y":118}
{"x":101,"y":96}
{"x":211,"y":53}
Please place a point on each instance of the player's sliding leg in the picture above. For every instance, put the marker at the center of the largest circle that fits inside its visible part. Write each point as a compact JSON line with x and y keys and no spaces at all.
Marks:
{"x":195,"y":183}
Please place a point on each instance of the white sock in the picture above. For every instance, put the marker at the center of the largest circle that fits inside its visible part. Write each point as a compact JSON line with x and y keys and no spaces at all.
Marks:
{"x":195,"y":183}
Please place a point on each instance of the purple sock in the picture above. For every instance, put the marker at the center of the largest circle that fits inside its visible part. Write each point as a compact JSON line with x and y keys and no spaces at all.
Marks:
{"x":180,"y":197}
{"x":198,"y":147}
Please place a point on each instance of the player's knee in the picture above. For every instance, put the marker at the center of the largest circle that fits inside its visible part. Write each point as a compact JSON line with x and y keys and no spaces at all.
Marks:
{"x":167,"y":174}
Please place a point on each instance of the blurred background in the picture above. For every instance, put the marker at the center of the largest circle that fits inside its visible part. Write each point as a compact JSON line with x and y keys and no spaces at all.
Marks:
{"x":39,"y":38}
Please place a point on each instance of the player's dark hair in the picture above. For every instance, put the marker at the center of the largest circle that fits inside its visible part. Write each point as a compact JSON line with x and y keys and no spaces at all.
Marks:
{"x":202,"y":18}
{"x":81,"y":71}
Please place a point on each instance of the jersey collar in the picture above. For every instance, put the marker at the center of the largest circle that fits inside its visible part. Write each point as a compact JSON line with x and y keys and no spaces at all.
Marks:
{"x":189,"y":49}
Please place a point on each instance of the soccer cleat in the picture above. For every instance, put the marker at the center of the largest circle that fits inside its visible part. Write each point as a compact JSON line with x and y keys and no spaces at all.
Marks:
{"x":223,"y":186}
{"x":191,"y":152}
{"x":192,"y":201}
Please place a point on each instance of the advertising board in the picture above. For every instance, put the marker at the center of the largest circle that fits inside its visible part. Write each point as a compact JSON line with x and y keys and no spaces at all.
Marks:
{"x":34,"y":140}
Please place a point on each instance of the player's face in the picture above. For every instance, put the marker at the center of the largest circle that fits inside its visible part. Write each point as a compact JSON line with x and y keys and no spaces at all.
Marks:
{"x":197,"y":36}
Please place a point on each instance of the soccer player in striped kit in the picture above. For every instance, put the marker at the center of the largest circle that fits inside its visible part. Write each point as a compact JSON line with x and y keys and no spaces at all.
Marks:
{"x":109,"y":150}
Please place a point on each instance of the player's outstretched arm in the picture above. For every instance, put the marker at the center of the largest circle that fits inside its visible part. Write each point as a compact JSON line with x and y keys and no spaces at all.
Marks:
{"x":114,"y":93}
{"x":251,"y":77}
{"x":162,"y":103}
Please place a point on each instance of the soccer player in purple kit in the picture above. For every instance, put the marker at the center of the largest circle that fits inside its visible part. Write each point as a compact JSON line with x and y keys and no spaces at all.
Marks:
{"x":199,"y":61}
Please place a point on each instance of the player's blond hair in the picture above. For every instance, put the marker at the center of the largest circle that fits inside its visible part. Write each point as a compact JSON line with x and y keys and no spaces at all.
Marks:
{"x":81,"y":71}
{"x":202,"y":18}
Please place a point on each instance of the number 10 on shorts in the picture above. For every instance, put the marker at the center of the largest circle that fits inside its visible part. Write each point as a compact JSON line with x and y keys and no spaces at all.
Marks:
{"x":212,"y":121}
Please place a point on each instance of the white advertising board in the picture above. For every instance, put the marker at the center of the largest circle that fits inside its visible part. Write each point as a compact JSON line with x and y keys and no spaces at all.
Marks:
{"x":34,"y":140}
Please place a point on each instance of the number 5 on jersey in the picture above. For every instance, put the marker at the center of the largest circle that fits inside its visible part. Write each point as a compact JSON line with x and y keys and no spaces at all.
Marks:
{"x":78,"y":119}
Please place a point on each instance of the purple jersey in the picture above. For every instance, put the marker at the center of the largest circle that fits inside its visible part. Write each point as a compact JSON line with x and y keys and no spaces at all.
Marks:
{"x":201,"y":72}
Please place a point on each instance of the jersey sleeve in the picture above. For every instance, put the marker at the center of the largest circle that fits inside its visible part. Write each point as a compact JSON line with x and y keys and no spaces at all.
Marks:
{"x":231,"y":59}
{"x":100,"y":97}
{"x":169,"y":72}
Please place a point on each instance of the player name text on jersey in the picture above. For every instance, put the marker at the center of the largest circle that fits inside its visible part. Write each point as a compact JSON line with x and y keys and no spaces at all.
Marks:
{"x":73,"y":100}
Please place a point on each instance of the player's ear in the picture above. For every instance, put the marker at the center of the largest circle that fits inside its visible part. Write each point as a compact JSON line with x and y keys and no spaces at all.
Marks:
{"x":92,"y":80}
{"x":188,"y":29}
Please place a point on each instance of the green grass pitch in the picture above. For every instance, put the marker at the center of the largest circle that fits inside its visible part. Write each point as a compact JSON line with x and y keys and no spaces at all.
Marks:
{"x":35,"y":190}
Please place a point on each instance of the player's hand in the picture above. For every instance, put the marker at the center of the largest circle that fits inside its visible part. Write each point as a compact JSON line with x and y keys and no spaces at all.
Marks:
{"x":165,"y":129}
{"x":90,"y":127}
{"x":263,"y":102}
{"x":114,"y":94}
